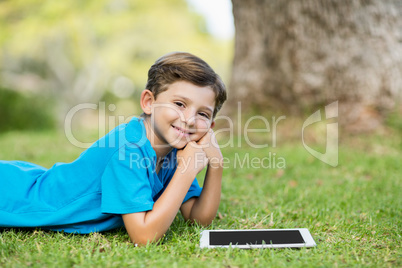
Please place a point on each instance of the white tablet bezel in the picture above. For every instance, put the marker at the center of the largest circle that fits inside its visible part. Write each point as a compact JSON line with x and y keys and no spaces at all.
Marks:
{"x":204,"y":240}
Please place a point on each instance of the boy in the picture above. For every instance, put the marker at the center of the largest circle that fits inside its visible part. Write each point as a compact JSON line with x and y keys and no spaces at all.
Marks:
{"x":141,"y":173}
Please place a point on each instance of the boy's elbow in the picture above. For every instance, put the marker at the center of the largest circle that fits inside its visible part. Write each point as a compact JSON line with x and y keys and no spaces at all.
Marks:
{"x":139,"y":232}
{"x":206,"y":222}
{"x":143,"y":239}
{"x":144,"y":235}
{"x":203,"y":220}
{"x":141,"y":242}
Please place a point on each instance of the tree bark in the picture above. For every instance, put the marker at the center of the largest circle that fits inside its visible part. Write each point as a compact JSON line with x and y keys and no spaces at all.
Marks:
{"x":293,"y":56}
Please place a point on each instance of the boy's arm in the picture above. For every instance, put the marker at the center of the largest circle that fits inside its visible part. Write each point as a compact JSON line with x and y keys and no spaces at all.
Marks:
{"x":150,"y":226}
{"x":204,"y":208}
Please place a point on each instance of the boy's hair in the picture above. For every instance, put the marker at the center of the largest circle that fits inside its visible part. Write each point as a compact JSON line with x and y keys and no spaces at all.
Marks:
{"x":182,"y":66}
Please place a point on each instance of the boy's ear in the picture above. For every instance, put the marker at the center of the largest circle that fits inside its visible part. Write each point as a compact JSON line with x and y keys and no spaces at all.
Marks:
{"x":147,"y":98}
{"x":213,"y":124}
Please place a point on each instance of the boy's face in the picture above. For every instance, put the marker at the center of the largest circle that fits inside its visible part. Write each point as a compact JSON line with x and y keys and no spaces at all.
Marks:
{"x":182,"y":113}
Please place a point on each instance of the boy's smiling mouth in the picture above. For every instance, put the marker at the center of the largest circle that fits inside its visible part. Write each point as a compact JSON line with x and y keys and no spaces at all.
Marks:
{"x":182,"y":131}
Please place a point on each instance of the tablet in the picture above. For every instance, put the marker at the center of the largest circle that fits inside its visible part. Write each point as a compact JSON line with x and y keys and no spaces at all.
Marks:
{"x":257,"y":238}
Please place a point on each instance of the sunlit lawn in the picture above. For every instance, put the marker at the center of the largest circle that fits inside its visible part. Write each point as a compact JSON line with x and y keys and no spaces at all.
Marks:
{"x":353,"y":211}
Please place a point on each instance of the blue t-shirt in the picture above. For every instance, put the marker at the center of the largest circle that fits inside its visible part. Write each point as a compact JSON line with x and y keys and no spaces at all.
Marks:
{"x":115,"y":176}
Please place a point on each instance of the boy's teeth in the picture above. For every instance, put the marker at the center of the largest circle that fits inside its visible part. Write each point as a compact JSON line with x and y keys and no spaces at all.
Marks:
{"x":180,"y":130}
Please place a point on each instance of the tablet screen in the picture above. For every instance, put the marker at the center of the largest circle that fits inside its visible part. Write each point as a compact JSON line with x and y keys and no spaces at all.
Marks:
{"x":217,"y":238}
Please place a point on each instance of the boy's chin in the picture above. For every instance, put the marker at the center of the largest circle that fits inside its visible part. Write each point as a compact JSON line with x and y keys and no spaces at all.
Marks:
{"x":180,"y":145}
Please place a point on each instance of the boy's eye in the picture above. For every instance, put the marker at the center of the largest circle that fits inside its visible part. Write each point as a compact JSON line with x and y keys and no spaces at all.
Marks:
{"x":204,"y":115}
{"x":179,"y":104}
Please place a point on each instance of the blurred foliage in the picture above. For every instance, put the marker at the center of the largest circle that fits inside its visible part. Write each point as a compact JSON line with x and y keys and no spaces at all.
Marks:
{"x":75,"y":50}
{"x":394,"y":119}
{"x":24,"y":112}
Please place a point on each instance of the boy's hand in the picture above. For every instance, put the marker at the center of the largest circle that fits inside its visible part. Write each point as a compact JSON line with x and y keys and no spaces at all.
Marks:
{"x":211,"y":148}
{"x":191,"y":158}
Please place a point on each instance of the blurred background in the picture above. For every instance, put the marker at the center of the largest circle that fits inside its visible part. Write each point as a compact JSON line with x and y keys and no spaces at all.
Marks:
{"x":55,"y":55}
{"x":276,"y":57}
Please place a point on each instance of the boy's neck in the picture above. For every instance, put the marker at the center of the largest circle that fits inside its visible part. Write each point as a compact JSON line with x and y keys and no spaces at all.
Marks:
{"x":160,"y":149}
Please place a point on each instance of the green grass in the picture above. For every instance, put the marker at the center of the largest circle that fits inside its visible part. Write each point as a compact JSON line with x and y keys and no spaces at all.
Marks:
{"x":353,"y":211}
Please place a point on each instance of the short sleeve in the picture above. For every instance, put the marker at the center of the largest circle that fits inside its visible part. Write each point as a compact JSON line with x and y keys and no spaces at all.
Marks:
{"x":194,"y":191}
{"x":169,"y":168}
{"x":126,"y":188}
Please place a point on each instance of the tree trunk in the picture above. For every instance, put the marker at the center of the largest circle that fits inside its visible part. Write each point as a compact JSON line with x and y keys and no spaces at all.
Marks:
{"x":293,"y":55}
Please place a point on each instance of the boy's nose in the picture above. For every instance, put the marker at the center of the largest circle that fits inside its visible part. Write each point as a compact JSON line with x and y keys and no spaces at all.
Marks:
{"x":189,"y":118}
{"x":190,"y":121}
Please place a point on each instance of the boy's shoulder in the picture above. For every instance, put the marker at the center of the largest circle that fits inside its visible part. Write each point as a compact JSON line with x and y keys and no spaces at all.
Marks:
{"x":134,"y":131}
